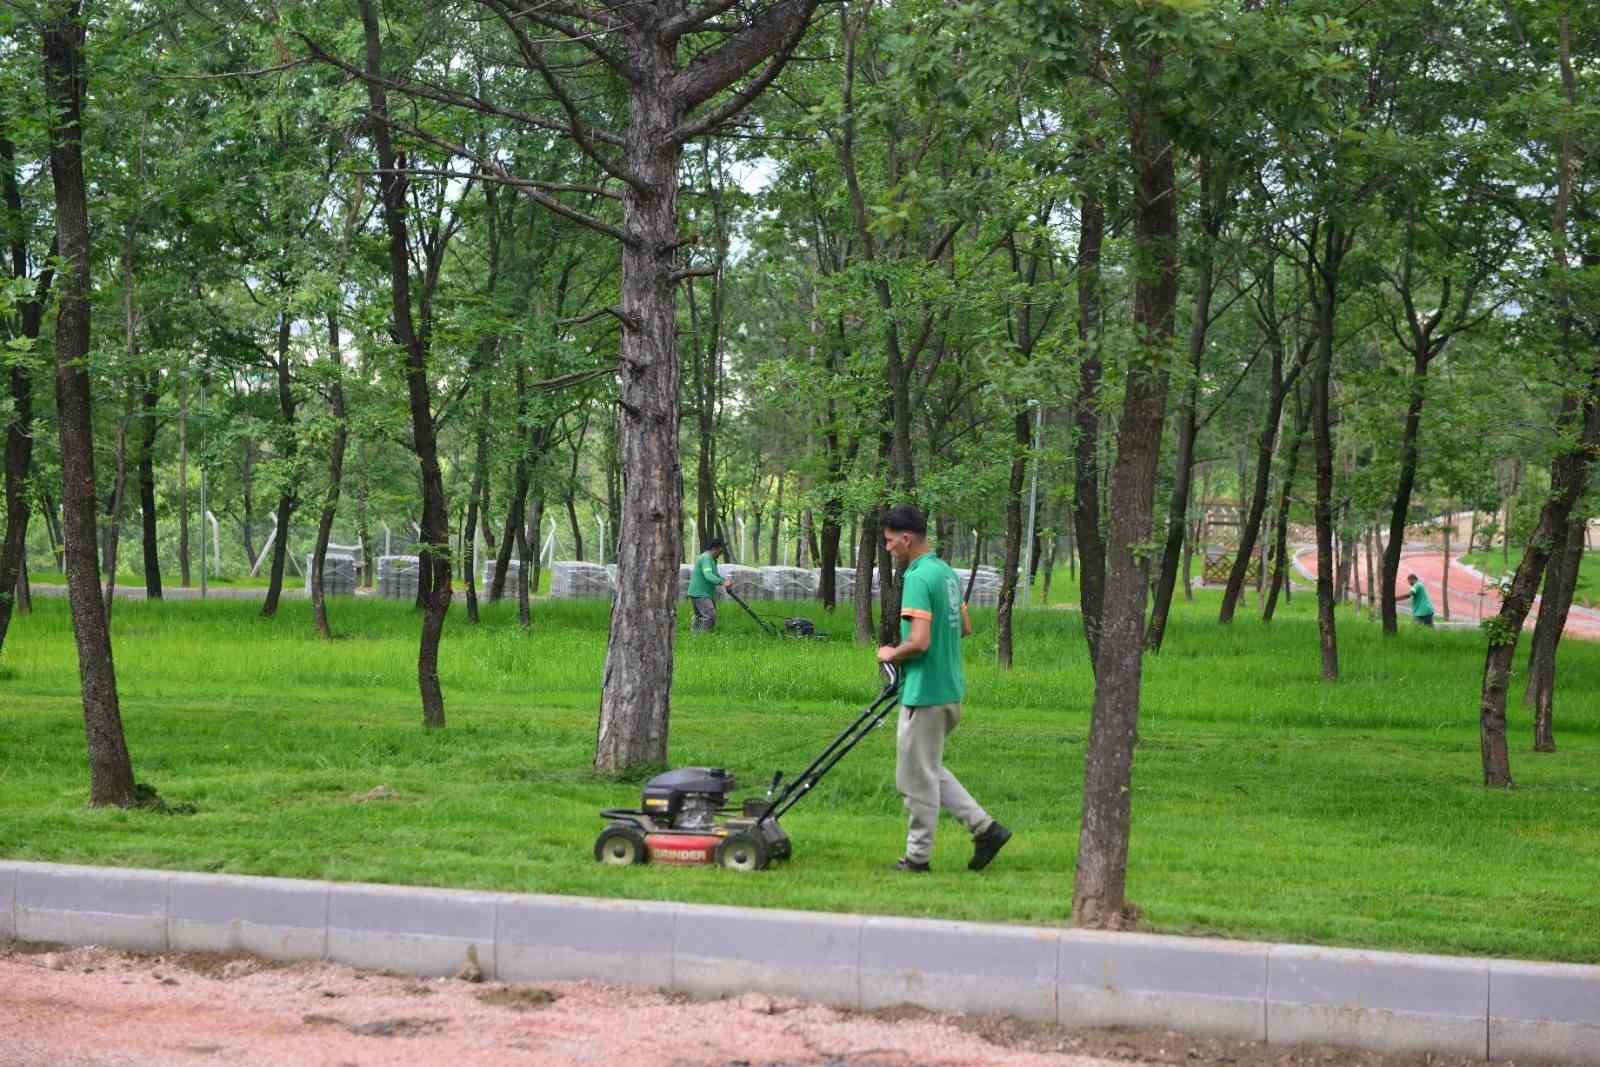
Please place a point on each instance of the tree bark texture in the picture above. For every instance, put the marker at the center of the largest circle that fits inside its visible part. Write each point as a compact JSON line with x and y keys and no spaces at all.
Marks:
{"x":1099,"y":891}
{"x":1086,"y":426}
{"x":110,"y":768}
{"x":183,"y":481}
{"x":635,"y":702}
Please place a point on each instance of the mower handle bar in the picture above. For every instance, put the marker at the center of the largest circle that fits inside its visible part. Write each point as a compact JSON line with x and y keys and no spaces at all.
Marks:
{"x":772,"y":631}
{"x":865,"y":723}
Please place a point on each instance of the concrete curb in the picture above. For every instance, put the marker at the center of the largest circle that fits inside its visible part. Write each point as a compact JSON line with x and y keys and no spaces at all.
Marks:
{"x":1281,"y":994}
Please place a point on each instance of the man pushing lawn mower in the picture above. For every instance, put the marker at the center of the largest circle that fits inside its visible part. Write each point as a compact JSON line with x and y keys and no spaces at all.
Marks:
{"x":704,"y":581}
{"x":933,"y":620}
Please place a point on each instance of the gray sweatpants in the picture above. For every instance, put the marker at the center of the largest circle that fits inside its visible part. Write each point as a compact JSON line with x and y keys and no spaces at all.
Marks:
{"x":924,"y":784}
{"x":705,"y":613}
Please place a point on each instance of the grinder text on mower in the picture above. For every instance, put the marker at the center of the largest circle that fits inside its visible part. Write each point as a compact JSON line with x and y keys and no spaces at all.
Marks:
{"x":685,"y":817}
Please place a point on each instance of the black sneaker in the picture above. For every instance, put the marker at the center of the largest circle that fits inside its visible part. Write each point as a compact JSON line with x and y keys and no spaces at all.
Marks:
{"x":987,"y":845}
{"x":911,"y":867}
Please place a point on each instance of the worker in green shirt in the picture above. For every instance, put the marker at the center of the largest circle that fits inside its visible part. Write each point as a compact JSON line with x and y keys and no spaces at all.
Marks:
{"x":933,"y":620}
{"x":704,"y":581}
{"x":1421,"y":606}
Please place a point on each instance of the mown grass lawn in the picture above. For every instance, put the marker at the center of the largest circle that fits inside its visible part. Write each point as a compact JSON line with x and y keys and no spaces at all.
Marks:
{"x":1267,"y":804}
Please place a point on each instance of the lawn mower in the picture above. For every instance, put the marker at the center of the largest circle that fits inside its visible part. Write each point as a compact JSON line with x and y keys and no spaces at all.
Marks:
{"x":792,"y":627}
{"x":685,"y":817}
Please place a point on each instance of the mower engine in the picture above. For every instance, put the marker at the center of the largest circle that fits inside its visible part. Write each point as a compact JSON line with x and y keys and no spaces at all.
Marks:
{"x":688,"y":799}
{"x":681,"y":821}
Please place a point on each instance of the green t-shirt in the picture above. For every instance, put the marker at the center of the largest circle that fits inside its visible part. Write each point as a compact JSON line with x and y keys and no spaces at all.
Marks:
{"x":1421,"y":606}
{"x":705,"y":577}
{"x":932,"y":591}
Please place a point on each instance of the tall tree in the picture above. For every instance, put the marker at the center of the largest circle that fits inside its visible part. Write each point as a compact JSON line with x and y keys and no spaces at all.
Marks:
{"x":110,"y":768}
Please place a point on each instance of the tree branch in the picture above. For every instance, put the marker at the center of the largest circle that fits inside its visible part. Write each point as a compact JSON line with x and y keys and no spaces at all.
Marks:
{"x":774,"y":34}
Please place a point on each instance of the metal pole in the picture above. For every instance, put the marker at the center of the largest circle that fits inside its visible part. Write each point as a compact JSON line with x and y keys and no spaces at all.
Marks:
{"x":203,"y":512}
{"x":1033,"y":502}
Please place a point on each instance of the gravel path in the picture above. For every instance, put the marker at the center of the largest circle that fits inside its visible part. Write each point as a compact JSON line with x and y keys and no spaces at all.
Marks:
{"x":93,"y":1007}
{"x":82,"y":1007}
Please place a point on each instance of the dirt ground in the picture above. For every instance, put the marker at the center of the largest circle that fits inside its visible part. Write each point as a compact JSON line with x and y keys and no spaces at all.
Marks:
{"x":93,"y":1007}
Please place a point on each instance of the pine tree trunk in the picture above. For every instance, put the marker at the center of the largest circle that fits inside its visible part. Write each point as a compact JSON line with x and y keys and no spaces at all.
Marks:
{"x":635,"y":704}
{"x":110,"y":769}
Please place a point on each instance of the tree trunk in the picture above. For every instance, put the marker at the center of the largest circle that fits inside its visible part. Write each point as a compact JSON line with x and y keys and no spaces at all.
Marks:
{"x":363,"y":525}
{"x":1444,"y":594}
{"x":866,"y":561}
{"x":1324,"y":283}
{"x":1086,"y":421}
{"x":110,"y":769}
{"x":1212,"y":204}
{"x":118,"y":500}
{"x":433,"y":581}
{"x":330,"y":502}
{"x":1266,"y":446}
{"x":517,"y":506}
{"x":19,"y":429}
{"x":469,"y":549}
{"x":1402,"y":494}
{"x":528,"y":557}
{"x":147,"y":489}
{"x":183,"y":479}
{"x":1560,"y":585}
{"x":635,"y":704}
{"x":247,"y":485}
{"x":1099,"y":891}
{"x":287,"y":449}
{"x":777,"y":524}
{"x":1282,"y":569}
{"x":1022,"y":424}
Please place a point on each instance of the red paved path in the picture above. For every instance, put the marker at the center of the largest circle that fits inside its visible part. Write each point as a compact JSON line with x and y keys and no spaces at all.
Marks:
{"x":1466,"y":605}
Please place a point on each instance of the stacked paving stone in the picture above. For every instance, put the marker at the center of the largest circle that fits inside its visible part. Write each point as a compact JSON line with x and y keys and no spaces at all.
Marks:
{"x":744,"y":581}
{"x":789,"y":583}
{"x":338,"y":574}
{"x":571,"y":581}
{"x":985,"y":588}
{"x":397,"y":577}
{"x":844,"y":584}
{"x":513,"y":573}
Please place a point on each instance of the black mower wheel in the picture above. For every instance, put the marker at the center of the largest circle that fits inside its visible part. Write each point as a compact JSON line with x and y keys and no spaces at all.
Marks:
{"x":620,"y":846}
{"x":742,"y":852}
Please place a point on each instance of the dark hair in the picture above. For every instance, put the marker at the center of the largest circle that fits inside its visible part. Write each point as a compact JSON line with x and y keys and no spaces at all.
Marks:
{"x":1412,"y":578}
{"x":716,"y":542}
{"x":906,"y":518}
